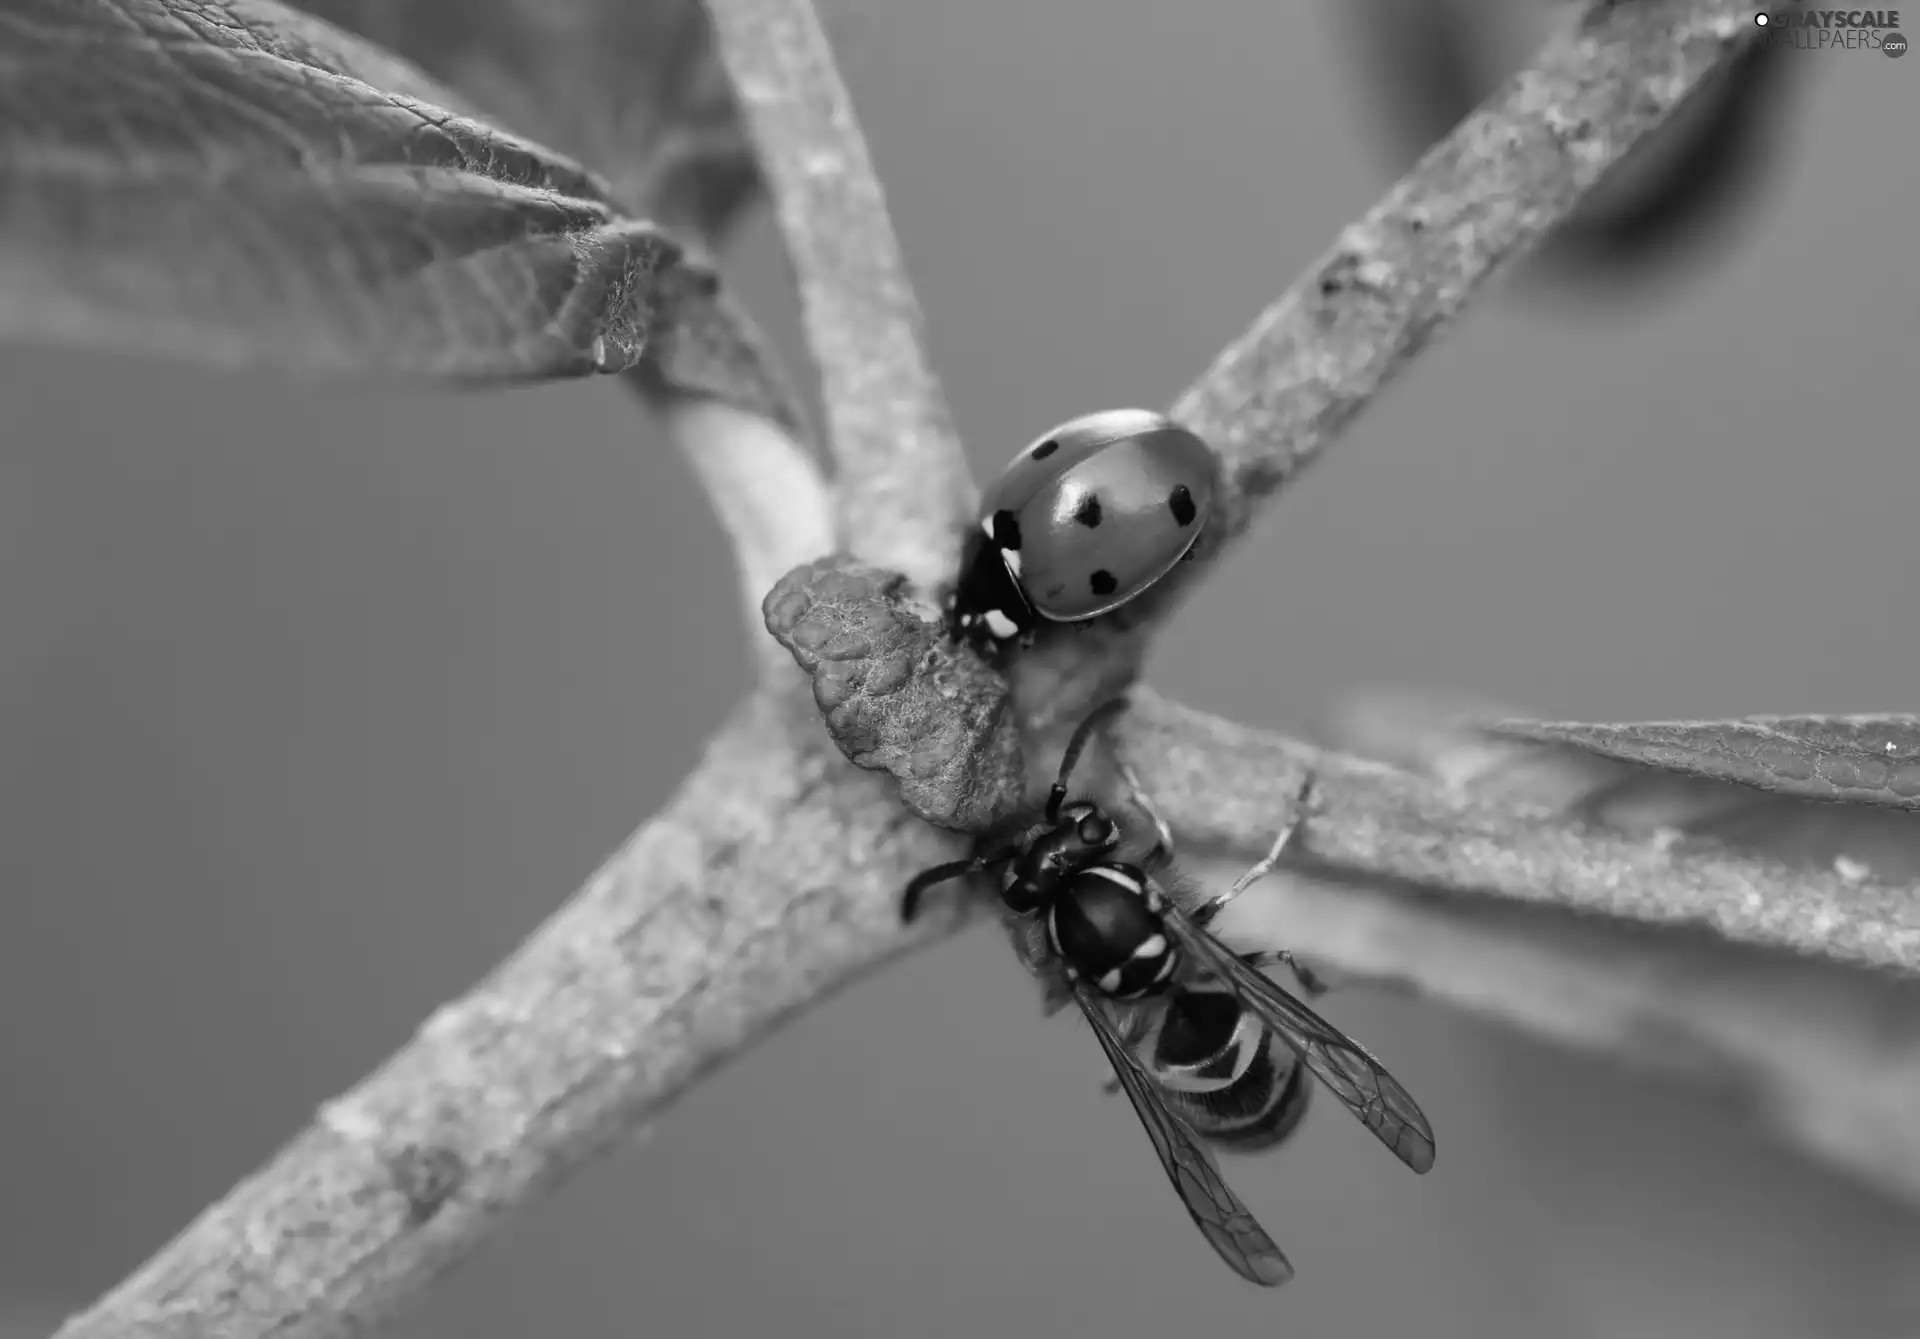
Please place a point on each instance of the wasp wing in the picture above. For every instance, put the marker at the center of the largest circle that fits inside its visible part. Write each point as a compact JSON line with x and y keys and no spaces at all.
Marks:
{"x":1222,"y":1219}
{"x":1354,"y":1076}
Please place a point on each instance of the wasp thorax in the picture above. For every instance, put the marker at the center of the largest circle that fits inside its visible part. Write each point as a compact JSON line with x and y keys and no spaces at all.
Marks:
{"x":1104,"y":927}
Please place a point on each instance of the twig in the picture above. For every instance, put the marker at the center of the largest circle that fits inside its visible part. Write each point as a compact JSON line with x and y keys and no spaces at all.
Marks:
{"x":770,"y":879}
{"x":1230,"y":785}
{"x":1478,"y":202}
{"x":769,"y":497}
{"x":1463,"y":216}
{"x":904,"y":487}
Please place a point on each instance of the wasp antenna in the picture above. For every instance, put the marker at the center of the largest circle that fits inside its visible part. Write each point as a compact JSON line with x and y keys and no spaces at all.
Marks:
{"x":925,"y":879}
{"x":953,"y":869}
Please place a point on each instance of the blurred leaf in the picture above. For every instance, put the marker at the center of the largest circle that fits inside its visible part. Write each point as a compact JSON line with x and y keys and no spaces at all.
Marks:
{"x":1828,"y":1055}
{"x":1433,"y":61}
{"x":631,"y":86}
{"x":228,"y":185}
{"x":1856,"y":759}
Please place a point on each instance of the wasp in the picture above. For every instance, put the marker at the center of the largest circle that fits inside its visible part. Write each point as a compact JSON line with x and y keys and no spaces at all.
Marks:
{"x":1224,"y":1047}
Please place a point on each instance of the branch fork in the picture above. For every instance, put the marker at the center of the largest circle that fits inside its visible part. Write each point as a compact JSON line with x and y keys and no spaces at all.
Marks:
{"x":772,"y":878}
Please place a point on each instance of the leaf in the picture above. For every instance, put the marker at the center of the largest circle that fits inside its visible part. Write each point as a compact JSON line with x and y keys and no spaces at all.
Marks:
{"x":631,"y":86}
{"x":229,"y":183}
{"x":636,"y":90}
{"x":897,"y":697}
{"x":705,"y":346}
{"x":1871,"y":760}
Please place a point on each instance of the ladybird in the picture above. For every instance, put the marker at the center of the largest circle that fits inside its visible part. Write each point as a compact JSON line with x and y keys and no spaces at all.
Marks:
{"x":1081,"y":522}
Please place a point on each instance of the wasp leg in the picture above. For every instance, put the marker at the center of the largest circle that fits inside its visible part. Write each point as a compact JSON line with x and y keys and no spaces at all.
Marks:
{"x":1303,"y":809}
{"x":1161,"y":856}
{"x":1310,"y":981}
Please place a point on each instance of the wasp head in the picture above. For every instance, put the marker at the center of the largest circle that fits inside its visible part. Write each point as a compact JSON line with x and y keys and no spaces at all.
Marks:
{"x":1083,"y":835}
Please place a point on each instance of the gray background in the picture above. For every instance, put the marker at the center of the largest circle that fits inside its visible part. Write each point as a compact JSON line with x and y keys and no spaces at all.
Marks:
{"x":314,"y":699}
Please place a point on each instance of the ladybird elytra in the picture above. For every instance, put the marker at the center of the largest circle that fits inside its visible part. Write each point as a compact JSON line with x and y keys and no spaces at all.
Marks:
{"x":1085,"y":519}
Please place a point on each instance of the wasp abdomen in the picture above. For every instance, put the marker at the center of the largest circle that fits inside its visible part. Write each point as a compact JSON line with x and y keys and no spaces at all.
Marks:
{"x":1230,"y":1077}
{"x":1261,"y":1111}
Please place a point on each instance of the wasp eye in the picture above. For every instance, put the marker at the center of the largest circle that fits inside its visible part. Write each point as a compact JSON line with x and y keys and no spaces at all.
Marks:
{"x":1022,"y":895}
{"x":1094,"y":830}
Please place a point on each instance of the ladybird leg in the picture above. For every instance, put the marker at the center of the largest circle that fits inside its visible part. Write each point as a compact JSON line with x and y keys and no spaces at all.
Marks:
{"x":1303,"y":809}
{"x":1161,"y":856}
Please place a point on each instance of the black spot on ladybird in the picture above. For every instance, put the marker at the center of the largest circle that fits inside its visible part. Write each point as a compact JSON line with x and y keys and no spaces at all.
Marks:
{"x":1045,"y":449}
{"x":1006,"y":530}
{"x":1088,"y":512}
{"x":1102,"y":582}
{"x":1180,"y":503}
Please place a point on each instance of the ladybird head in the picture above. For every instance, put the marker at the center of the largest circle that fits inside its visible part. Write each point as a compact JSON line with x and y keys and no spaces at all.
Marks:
{"x":988,"y":609}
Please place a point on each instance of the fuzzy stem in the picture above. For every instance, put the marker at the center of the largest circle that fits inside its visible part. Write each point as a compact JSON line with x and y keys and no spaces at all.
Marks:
{"x":904,"y":488}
